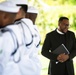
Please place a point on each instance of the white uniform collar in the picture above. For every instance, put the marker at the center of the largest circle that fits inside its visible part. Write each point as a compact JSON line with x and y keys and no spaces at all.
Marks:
{"x":59,"y":32}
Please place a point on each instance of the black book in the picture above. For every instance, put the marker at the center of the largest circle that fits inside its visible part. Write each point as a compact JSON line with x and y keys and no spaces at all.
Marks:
{"x":61,"y":49}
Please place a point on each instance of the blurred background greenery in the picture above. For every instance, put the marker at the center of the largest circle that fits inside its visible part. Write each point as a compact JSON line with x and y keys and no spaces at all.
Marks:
{"x":50,"y":11}
{"x":47,"y":20}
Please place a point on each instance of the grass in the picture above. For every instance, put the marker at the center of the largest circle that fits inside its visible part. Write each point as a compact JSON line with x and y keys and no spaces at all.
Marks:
{"x":45,"y":63}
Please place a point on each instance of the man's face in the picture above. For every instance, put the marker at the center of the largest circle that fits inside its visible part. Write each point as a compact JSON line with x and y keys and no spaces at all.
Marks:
{"x":64,"y":25}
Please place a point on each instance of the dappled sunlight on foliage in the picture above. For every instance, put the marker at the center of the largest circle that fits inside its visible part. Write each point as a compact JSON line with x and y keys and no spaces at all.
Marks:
{"x":2,"y":0}
{"x":49,"y":13}
{"x":48,"y":20}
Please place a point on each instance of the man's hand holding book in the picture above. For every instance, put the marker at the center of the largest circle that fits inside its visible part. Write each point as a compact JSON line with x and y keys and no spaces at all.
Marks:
{"x":62,"y":57}
{"x":63,"y":53}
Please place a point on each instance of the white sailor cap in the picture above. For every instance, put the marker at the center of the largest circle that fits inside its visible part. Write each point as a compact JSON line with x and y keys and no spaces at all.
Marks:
{"x":20,"y":2}
{"x":32,"y":9}
{"x":8,"y":6}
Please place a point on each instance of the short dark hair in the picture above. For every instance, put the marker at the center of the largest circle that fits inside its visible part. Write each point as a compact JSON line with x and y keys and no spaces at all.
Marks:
{"x":24,"y":7}
{"x":62,"y":18}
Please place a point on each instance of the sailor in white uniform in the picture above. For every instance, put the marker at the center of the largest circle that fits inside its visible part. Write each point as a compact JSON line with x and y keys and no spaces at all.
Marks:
{"x":8,"y":12}
{"x":31,"y":64}
{"x":32,"y":13}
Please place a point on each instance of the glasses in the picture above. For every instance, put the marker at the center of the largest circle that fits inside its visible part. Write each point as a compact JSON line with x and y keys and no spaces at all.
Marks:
{"x":66,"y":25}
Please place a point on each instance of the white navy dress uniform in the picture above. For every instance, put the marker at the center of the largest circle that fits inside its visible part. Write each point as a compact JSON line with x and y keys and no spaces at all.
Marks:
{"x":30,"y":64}
{"x":7,"y":66}
{"x":32,"y":9}
{"x":37,"y":38}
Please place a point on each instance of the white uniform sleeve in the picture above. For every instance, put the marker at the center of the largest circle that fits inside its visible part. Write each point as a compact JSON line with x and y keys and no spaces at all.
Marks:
{"x":7,"y":48}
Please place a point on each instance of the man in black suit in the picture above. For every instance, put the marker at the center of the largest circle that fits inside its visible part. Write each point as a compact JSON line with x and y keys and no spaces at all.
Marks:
{"x":54,"y":39}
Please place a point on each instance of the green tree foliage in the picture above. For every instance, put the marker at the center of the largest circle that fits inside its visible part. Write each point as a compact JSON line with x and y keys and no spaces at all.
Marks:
{"x":50,"y":11}
{"x":72,"y":2}
{"x":2,"y":0}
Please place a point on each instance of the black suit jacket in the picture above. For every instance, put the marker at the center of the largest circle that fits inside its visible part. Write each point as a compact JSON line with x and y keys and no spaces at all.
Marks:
{"x":52,"y":41}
